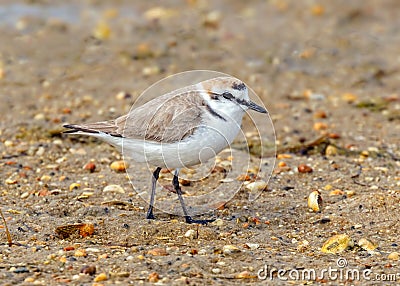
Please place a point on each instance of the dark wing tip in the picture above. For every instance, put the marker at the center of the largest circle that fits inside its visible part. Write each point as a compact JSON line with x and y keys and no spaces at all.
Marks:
{"x":76,"y":128}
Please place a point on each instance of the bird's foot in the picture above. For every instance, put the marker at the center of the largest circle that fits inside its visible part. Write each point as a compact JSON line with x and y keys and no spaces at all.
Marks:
{"x":199,"y":221}
{"x":150,"y":214}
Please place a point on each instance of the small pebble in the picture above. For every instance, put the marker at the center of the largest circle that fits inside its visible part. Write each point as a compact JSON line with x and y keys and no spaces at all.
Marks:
{"x":80,"y":253}
{"x":253,"y":246}
{"x":320,"y":126}
{"x":190,"y":233}
{"x":114,"y":189}
{"x":302,"y":245}
{"x":91,"y":167}
{"x":216,"y":270}
{"x":100,"y":277}
{"x":10,"y":181}
{"x":29,"y":279}
{"x":89,"y":269}
{"x":212,"y":19}
{"x":367,"y":245}
{"x":257,"y":186}
{"x":230,"y":249}
{"x":102,"y":31}
{"x":245,"y":275}
{"x":157,"y":252}
{"x":218,"y":222}
{"x":303,"y":168}
{"x":119,"y":166}
{"x":45,"y":178}
{"x":349,"y":97}
{"x":336,"y":192}
{"x":394,"y":256}
{"x":25,"y":195}
{"x":331,"y":151}
{"x":154,"y":277}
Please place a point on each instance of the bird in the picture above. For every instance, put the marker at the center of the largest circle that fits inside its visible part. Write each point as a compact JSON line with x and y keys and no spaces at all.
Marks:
{"x":181,"y":128}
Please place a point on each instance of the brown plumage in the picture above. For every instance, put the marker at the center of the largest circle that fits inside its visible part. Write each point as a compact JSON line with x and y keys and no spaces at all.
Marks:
{"x":167,"y":123}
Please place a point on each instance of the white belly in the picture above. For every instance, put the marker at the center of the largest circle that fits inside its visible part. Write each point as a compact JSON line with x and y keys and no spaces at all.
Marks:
{"x":203,"y":145}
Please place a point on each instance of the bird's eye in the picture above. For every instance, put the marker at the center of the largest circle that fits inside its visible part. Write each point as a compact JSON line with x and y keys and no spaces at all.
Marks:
{"x":227,"y":95}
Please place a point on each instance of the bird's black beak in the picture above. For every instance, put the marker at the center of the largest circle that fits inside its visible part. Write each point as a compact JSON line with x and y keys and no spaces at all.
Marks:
{"x":251,"y":105}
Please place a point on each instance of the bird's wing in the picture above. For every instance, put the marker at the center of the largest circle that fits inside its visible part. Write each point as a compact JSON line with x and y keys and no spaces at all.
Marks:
{"x":168,"y":118}
{"x":164,"y":119}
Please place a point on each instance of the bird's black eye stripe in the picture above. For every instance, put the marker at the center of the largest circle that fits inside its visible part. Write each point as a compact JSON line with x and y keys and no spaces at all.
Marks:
{"x":227,"y":95}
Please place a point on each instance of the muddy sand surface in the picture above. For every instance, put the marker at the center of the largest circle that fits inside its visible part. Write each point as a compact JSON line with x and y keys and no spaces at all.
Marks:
{"x":328,"y":73}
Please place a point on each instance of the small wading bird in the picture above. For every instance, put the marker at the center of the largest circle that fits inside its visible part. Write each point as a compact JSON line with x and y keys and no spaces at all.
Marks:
{"x":179,"y":129}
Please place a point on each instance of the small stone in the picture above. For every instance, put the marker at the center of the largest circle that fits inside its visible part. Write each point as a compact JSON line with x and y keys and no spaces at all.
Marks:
{"x":230,"y":249}
{"x":320,"y":126}
{"x":216,"y":270}
{"x":190,"y":233}
{"x":320,"y":114}
{"x":317,"y":10}
{"x":123,"y":95}
{"x":102,"y":31}
{"x":257,"y":186}
{"x":114,"y":189}
{"x":218,"y":222}
{"x":336,"y":192}
{"x":157,"y":252}
{"x":367,"y":245}
{"x":80,"y":253}
{"x":91,"y":167}
{"x":119,"y":166}
{"x":10,"y":181}
{"x":303,"y":168}
{"x":331,"y":151}
{"x":245,"y":275}
{"x":159,"y":13}
{"x":25,"y":195}
{"x":284,"y":156}
{"x":349,"y":194}
{"x":8,"y":143}
{"x":143,"y":51}
{"x":154,"y":277}
{"x":282,"y":164}
{"x":100,"y":277}
{"x":302,"y":245}
{"x":212,"y":19}
{"x":45,"y":178}
{"x":151,"y":70}
{"x":40,"y":151}
{"x":29,"y":279}
{"x":39,"y":116}
{"x":394,"y":256}
{"x":349,"y":97}
{"x":253,"y":246}
{"x":89,"y":269}
{"x":69,"y":248}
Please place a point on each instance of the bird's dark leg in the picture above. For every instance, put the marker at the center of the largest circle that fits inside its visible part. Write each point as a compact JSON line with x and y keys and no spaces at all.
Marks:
{"x":154,"y":179}
{"x":178,"y":190}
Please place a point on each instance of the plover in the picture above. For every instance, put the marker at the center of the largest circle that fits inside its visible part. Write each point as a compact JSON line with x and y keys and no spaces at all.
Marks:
{"x":179,"y":129}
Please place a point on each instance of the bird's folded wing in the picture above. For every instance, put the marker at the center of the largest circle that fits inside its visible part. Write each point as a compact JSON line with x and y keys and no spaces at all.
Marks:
{"x":164,"y":119}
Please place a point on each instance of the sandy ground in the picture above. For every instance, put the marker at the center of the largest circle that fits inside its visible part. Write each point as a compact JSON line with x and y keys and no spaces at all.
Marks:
{"x":327,"y":69}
